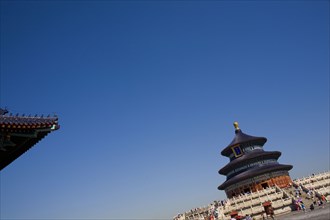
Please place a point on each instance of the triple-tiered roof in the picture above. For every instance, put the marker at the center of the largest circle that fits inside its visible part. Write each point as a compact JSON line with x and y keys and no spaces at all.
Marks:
{"x":248,"y":159}
{"x":18,"y":133}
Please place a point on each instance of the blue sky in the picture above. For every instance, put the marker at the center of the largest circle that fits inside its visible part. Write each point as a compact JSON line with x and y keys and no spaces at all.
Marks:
{"x":146,"y":93}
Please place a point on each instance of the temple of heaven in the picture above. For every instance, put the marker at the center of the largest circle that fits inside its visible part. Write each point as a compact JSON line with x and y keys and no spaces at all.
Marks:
{"x":18,"y":133}
{"x":250,"y":167}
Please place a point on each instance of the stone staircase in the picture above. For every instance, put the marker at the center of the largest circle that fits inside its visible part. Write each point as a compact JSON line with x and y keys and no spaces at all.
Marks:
{"x":282,"y":203}
{"x":307,"y":200}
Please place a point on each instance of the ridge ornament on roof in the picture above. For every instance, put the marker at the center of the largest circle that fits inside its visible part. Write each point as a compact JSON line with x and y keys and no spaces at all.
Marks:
{"x":3,"y":111}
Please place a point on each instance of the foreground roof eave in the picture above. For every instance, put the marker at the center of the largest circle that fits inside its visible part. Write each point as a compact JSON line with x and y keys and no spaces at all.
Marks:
{"x":19,"y":133}
{"x":26,"y":122}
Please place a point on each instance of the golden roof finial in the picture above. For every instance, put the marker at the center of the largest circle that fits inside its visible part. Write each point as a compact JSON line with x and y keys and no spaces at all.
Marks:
{"x":236,"y":125}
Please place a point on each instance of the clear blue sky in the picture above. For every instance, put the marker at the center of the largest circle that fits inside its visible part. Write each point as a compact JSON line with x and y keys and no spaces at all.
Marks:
{"x":146,"y":94}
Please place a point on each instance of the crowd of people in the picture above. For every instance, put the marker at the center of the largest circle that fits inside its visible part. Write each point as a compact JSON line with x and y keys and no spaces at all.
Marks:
{"x":305,"y":198}
{"x":209,"y":212}
{"x":319,"y":201}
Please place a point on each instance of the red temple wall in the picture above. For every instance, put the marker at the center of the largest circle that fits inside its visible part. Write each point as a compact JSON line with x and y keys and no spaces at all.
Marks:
{"x":280,"y":181}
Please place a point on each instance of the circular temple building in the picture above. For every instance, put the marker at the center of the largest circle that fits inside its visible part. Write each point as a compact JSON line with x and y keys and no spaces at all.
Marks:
{"x":250,"y":167}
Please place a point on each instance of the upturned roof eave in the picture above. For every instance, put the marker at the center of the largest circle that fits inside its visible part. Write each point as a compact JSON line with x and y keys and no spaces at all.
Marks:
{"x":250,"y":173}
{"x":226,"y":152}
{"x":27,"y":122}
{"x":237,"y":162}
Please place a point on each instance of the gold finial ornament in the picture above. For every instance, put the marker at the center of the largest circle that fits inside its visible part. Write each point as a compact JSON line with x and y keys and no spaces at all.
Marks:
{"x":236,"y":125}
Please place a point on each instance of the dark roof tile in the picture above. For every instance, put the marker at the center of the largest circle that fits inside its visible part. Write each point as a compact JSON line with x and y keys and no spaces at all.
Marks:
{"x":249,"y":156}
{"x":240,"y":138}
